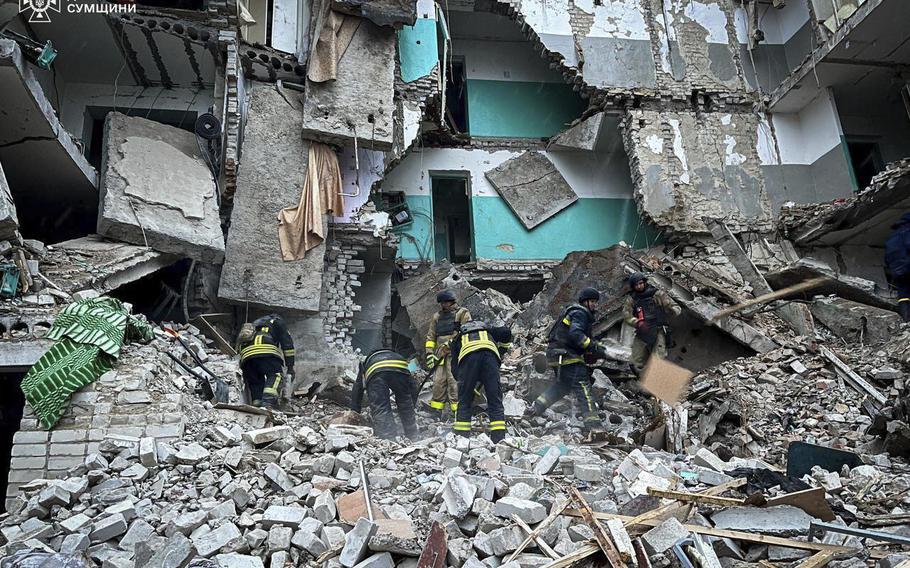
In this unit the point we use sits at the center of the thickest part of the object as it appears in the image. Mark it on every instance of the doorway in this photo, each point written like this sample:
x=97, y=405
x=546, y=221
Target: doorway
x=452, y=230
x=457, y=97
x=866, y=161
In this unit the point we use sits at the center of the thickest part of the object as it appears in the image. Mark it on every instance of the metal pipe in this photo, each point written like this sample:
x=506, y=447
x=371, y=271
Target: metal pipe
x=366, y=490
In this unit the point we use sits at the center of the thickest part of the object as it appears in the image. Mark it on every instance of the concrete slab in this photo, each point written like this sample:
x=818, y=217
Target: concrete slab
x=156, y=189
x=582, y=136
x=103, y=265
x=360, y=101
x=271, y=178
x=39, y=156
x=393, y=13
x=9, y=221
x=533, y=188
x=856, y=322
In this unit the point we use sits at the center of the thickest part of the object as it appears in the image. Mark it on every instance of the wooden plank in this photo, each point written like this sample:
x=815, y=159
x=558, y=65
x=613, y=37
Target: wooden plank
x=554, y=514
x=600, y=534
x=673, y=507
x=582, y=553
x=434, y=551
x=765, y=298
x=812, y=501
x=696, y=498
x=816, y=560
x=543, y=546
x=736, y=535
x=851, y=377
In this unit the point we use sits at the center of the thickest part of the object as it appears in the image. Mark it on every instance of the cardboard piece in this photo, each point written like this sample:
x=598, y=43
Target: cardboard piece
x=666, y=381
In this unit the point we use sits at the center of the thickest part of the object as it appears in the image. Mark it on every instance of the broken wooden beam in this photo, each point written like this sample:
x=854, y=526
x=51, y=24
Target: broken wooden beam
x=812, y=501
x=582, y=553
x=857, y=382
x=675, y=506
x=696, y=498
x=817, y=560
x=600, y=534
x=735, y=535
x=533, y=535
x=765, y=298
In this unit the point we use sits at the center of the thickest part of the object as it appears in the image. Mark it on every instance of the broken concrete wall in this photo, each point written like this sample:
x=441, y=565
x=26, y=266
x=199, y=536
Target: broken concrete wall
x=359, y=102
x=689, y=165
x=9, y=221
x=532, y=187
x=157, y=190
x=695, y=45
x=420, y=76
x=271, y=177
x=603, y=215
x=855, y=322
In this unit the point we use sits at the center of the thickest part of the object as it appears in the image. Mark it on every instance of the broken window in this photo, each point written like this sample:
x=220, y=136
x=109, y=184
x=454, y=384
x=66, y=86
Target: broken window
x=457, y=97
x=452, y=233
x=866, y=160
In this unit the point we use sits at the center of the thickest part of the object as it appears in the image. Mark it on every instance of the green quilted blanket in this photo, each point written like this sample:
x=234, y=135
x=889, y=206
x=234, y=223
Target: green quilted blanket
x=89, y=334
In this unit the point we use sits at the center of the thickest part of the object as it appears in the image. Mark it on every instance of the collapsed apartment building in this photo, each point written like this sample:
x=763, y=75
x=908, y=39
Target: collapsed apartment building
x=513, y=151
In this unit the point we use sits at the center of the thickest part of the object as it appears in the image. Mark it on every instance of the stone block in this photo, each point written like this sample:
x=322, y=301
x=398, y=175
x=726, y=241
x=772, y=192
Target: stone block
x=239, y=561
x=139, y=531
x=528, y=511
x=458, y=495
x=662, y=537
x=191, y=454
x=279, y=538
x=75, y=523
x=548, y=461
x=148, y=452
x=276, y=474
x=356, y=543
x=324, y=507
x=273, y=173
x=266, y=435
x=54, y=495
x=108, y=528
x=381, y=560
x=780, y=520
x=452, y=458
x=186, y=523
x=283, y=515
x=155, y=188
x=308, y=540
x=706, y=458
x=75, y=543
x=588, y=472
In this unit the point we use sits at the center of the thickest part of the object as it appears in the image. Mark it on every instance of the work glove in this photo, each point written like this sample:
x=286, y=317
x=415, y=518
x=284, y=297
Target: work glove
x=600, y=351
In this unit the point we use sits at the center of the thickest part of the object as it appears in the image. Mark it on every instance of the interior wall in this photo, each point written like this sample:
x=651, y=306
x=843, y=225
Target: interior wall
x=872, y=110
x=511, y=91
x=813, y=165
x=788, y=40
x=604, y=214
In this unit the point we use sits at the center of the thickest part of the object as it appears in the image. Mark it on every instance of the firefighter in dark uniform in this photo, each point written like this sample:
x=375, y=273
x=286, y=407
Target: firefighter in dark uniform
x=382, y=374
x=264, y=350
x=570, y=343
x=648, y=310
x=477, y=352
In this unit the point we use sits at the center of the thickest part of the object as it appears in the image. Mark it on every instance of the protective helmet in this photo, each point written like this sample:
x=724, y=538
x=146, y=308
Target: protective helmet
x=445, y=296
x=637, y=277
x=588, y=294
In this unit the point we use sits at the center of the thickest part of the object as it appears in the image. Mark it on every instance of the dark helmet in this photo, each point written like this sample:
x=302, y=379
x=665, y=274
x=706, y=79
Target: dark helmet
x=637, y=277
x=588, y=294
x=445, y=296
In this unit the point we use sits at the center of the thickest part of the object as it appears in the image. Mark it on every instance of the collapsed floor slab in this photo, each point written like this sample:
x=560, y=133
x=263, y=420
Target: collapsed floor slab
x=9, y=221
x=532, y=187
x=157, y=190
x=271, y=178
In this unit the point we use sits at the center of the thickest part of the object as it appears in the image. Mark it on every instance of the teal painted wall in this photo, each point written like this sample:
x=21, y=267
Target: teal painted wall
x=517, y=109
x=588, y=224
x=417, y=49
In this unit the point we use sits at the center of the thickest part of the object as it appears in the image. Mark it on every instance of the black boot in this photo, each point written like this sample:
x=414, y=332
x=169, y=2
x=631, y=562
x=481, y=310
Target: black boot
x=903, y=308
x=497, y=436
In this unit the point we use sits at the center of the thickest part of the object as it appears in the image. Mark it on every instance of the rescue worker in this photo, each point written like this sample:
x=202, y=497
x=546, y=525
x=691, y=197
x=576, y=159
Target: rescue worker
x=265, y=346
x=476, y=354
x=569, y=348
x=648, y=310
x=897, y=261
x=443, y=327
x=382, y=374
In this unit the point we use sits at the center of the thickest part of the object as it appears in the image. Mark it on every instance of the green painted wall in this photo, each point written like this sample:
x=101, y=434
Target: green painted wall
x=417, y=49
x=517, y=109
x=588, y=224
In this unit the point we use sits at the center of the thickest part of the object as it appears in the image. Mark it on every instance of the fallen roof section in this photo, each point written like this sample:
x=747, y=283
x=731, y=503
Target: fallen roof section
x=157, y=190
x=533, y=188
x=582, y=136
x=38, y=154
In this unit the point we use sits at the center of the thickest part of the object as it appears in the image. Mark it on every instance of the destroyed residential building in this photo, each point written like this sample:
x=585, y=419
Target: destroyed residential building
x=339, y=162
